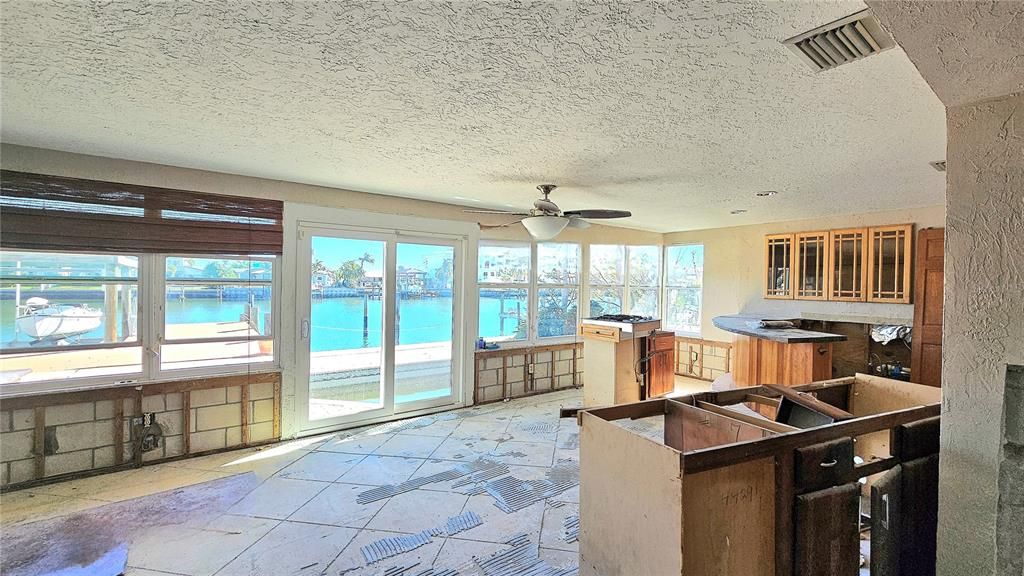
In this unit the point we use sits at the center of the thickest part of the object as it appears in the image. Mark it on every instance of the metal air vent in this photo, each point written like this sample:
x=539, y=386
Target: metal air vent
x=939, y=165
x=840, y=42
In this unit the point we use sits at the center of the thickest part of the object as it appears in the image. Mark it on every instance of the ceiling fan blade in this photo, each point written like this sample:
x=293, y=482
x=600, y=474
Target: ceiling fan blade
x=492, y=226
x=599, y=213
x=578, y=223
x=502, y=212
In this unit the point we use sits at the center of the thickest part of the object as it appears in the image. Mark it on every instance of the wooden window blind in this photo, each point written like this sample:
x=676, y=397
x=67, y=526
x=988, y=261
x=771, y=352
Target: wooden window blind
x=43, y=212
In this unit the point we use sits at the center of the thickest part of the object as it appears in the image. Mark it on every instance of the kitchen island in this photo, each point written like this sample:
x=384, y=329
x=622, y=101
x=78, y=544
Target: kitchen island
x=787, y=356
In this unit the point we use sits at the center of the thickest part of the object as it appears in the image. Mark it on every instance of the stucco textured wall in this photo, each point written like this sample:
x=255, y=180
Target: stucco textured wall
x=967, y=50
x=983, y=328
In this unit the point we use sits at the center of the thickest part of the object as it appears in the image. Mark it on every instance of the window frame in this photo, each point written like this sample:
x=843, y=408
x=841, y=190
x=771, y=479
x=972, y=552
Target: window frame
x=151, y=289
x=622, y=288
x=528, y=285
x=538, y=285
x=533, y=287
x=158, y=337
x=666, y=287
x=627, y=285
x=655, y=287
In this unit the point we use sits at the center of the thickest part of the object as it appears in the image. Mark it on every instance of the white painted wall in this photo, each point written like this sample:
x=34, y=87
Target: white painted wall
x=734, y=259
x=983, y=327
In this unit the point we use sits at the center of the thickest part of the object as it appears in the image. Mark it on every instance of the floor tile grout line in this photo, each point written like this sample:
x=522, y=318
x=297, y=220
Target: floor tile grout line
x=279, y=521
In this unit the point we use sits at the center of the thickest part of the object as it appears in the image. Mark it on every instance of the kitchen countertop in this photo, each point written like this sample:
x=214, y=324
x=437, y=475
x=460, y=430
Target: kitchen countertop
x=742, y=325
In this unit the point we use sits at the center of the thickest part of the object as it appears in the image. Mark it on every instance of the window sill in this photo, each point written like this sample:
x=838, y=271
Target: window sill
x=49, y=388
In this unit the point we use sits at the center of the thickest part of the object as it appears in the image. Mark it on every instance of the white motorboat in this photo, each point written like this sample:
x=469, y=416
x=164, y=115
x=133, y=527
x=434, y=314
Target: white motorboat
x=40, y=320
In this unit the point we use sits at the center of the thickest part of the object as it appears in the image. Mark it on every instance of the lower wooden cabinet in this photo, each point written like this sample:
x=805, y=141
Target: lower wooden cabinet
x=827, y=529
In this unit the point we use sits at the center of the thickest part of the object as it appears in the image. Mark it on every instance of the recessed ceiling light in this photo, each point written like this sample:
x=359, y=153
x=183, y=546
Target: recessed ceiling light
x=466, y=199
x=767, y=193
x=738, y=211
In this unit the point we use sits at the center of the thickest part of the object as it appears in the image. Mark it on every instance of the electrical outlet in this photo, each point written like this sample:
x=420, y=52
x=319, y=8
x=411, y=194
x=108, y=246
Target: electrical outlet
x=529, y=368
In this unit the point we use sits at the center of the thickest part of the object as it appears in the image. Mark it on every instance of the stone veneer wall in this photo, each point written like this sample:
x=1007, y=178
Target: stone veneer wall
x=54, y=435
x=506, y=373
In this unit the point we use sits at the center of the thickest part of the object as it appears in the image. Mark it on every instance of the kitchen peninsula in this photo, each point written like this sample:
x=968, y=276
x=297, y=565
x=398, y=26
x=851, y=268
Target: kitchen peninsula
x=787, y=356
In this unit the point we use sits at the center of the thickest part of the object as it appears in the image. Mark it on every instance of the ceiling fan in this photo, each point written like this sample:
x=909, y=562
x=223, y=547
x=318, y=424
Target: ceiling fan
x=545, y=220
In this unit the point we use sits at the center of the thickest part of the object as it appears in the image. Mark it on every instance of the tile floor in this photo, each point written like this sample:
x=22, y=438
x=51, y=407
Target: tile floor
x=304, y=517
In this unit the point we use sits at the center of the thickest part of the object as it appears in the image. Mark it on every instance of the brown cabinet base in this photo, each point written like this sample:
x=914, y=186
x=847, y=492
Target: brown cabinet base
x=757, y=362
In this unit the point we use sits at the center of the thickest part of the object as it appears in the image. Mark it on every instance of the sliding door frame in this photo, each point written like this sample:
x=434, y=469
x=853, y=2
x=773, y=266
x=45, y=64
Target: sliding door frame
x=464, y=236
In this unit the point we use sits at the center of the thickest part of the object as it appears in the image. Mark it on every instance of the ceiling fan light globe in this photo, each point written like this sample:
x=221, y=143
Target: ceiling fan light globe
x=545, y=227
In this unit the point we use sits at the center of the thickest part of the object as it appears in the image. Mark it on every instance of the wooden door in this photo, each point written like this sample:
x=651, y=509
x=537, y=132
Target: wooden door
x=848, y=274
x=810, y=270
x=778, y=266
x=926, y=346
x=889, y=263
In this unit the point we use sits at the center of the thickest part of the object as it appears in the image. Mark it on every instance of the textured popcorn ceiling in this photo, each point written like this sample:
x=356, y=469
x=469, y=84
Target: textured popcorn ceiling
x=678, y=111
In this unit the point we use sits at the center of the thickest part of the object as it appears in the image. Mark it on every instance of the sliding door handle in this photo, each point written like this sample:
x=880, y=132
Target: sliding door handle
x=304, y=328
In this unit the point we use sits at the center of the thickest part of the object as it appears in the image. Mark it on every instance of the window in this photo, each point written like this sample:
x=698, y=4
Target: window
x=66, y=315
x=684, y=272
x=607, y=279
x=504, y=279
x=71, y=316
x=520, y=281
x=217, y=311
x=644, y=273
x=613, y=269
x=140, y=283
x=558, y=282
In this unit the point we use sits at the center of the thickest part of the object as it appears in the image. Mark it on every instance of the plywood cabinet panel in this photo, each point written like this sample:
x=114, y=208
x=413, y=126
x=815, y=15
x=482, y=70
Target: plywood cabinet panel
x=778, y=257
x=889, y=263
x=811, y=266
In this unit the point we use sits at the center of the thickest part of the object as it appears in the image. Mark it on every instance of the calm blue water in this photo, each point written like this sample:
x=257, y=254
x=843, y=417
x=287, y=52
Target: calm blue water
x=337, y=323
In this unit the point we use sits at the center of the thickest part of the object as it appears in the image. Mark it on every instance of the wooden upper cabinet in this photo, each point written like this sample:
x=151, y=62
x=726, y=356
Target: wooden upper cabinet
x=810, y=269
x=848, y=270
x=778, y=270
x=889, y=263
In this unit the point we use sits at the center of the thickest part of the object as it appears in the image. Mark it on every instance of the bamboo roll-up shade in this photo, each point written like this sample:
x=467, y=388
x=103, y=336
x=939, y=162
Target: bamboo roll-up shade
x=43, y=212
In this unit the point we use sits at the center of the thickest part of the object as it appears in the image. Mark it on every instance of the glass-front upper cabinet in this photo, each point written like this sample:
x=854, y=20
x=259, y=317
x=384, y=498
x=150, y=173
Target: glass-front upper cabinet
x=847, y=269
x=889, y=263
x=778, y=254
x=811, y=267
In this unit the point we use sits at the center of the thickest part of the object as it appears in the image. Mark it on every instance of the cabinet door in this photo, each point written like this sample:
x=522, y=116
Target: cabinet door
x=889, y=263
x=778, y=259
x=811, y=267
x=826, y=532
x=848, y=277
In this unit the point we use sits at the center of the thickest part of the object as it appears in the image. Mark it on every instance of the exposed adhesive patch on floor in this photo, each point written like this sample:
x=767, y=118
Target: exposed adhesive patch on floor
x=458, y=471
x=520, y=560
x=399, y=570
x=538, y=427
x=477, y=477
x=571, y=529
x=393, y=546
x=512, y=494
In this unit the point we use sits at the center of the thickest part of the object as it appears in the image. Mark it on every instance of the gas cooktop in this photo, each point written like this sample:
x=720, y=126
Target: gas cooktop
x=626, y=318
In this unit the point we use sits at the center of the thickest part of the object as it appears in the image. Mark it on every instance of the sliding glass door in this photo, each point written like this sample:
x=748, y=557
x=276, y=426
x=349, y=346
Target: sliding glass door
x=380, y=326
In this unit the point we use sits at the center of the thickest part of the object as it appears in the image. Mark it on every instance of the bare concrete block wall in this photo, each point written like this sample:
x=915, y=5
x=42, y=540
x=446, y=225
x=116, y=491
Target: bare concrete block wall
x=519, y=372
x=60, y=434
x=17, y=439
